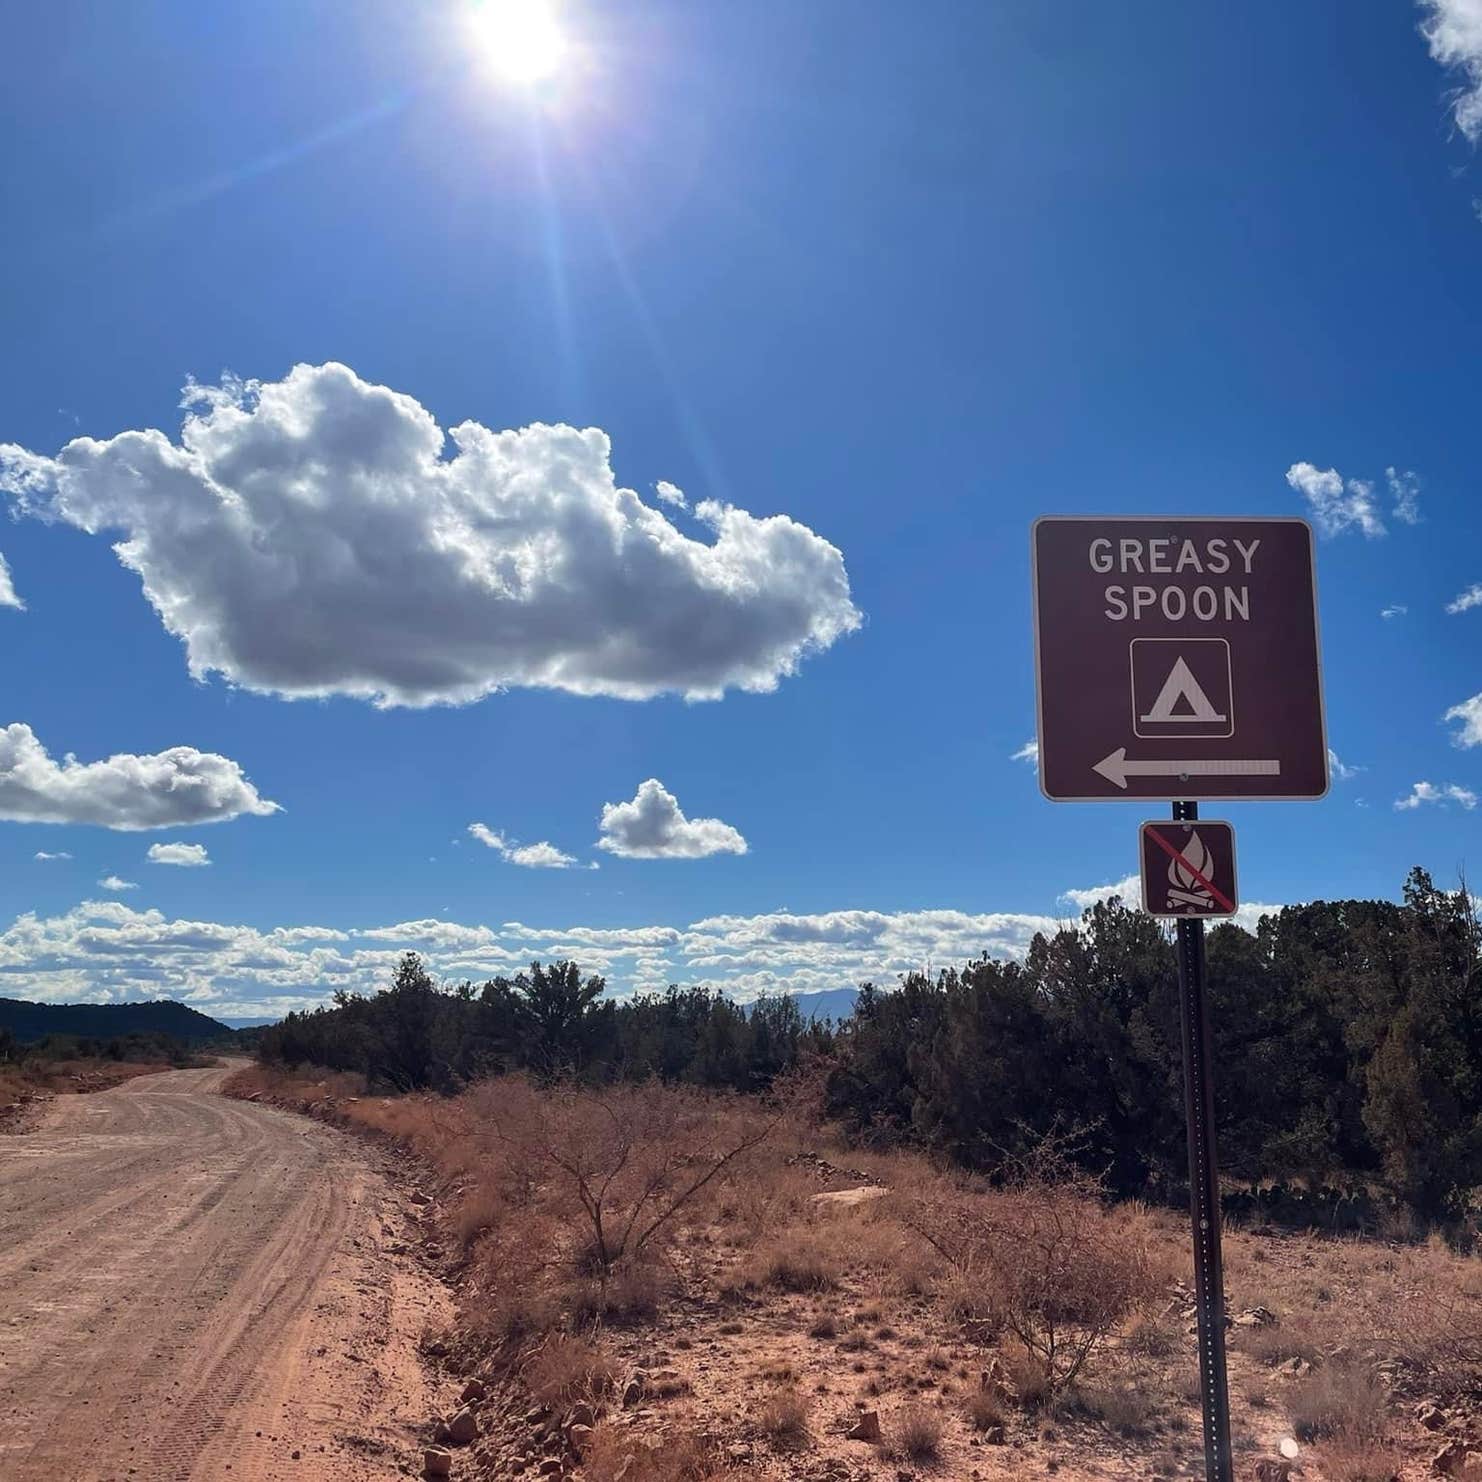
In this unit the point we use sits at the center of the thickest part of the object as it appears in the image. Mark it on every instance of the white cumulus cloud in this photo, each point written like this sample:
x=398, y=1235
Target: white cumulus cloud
x=60, y=854
x=1335, y=505
x=162, y=790
x=189, y=856
x=1453, y=31
x=671, y=494
x=1465, y=601
x=1428, y=792
x=541, y=856
x=653, y=826
x=310, y=537
x=1129, y=888
x=104, y=950
x=1404, y=490
x=112, y=882
x=1469, y=715
x=8, y=596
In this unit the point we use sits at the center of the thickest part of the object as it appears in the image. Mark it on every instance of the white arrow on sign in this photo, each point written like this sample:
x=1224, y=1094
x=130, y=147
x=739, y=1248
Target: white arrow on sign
x=1116, y=768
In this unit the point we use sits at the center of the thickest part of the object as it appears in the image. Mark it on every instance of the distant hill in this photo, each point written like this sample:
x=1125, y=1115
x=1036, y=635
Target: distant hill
x=30, y=1021
x=247, y=1023
x=832, y=1003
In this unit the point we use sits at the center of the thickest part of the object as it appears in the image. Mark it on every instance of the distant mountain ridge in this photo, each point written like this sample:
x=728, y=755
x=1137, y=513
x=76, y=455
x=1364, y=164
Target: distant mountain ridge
x=30, y=1021
x=830, y=1003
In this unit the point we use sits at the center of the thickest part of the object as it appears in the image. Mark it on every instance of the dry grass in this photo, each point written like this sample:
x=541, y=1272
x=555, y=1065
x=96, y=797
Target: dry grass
x=1028, y=1375
x=797, y=1260
x=1338, y=1403
x=1123, y=1409
x=914, y=1433
x=565, y=1370
x=1359, y=1461
x=19, y=1083
x=615, y=1455
x=984, y=1410
x=1297, y=1338
x=783, y=1418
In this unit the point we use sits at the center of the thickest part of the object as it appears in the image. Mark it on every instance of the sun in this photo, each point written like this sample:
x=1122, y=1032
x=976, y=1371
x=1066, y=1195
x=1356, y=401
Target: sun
x=521, y=38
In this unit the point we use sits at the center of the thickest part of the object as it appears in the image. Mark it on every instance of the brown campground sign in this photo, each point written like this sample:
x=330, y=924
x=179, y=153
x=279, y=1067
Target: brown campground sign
x=1177, y=658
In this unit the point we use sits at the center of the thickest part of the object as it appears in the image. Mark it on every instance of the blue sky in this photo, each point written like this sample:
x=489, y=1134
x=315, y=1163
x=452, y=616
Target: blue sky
x=873, y=285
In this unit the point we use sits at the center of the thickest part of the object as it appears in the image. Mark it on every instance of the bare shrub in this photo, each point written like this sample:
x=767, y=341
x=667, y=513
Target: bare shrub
x=824, y=1327
x=1148, y=1338
x=624, y=1161
x=1338, y=1403
x=562, y=1370
x=783, y=1417
x=1050, y=1264
x=915, y=1433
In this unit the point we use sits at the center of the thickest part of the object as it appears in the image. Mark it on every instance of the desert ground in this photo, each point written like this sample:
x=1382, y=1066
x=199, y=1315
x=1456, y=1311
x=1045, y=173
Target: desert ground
x=295, y=1280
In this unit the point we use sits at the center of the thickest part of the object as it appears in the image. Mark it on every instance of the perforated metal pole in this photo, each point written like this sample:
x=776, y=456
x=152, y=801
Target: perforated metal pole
x=1204, y=1191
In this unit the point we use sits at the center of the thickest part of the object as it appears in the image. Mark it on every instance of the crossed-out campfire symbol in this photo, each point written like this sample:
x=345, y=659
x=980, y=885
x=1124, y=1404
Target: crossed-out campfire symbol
x=1185, y=887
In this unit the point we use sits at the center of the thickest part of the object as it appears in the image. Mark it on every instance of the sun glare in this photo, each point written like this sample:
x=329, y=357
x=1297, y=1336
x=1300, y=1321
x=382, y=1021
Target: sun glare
x=521, y=38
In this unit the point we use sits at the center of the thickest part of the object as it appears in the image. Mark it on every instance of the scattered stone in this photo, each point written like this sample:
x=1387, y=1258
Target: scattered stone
x=1450, y=1460
x=437, y=1461
x=632, y=1393
x=582, y=1414
x=1289, y=1448
x=1255, y=1317
x=580, y=1437
x=463, y=1427
x=1431, y=1417
x=1297, y=1366
x=995, y=1436
x=1268, y=1470
x=551, y=1467
x=866, y=1428
x=418, y=1197
x=473, y=1390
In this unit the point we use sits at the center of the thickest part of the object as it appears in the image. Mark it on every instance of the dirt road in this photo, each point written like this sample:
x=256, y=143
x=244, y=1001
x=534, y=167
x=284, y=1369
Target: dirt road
x=198, y=1288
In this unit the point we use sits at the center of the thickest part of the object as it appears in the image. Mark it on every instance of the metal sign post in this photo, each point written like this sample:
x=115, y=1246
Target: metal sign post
x=1204, y=1190
x=1178, y=656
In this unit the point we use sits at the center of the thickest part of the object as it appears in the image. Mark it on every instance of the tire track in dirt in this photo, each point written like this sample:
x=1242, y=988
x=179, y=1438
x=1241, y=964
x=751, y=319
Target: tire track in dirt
x=196, y=1289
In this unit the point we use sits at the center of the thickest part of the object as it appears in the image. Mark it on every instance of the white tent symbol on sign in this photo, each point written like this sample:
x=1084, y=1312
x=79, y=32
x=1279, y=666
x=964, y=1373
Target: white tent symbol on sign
x=1182, y=700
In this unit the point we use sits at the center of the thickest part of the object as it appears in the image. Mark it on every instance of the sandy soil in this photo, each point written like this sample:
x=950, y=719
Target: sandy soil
x=199, y=1288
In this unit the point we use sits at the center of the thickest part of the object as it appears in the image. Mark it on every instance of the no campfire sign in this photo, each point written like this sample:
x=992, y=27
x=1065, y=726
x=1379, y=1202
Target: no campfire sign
x=1188, y=869
x=1177, y=658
